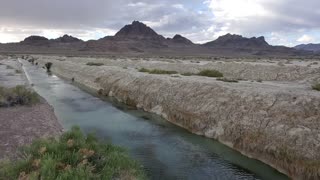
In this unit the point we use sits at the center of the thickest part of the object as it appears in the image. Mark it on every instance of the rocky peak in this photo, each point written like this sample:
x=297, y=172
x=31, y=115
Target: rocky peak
x=35, y=39
x=237, y=41
x=67, y=39
x=180, y=39
x=229, y=37
x=138, y=30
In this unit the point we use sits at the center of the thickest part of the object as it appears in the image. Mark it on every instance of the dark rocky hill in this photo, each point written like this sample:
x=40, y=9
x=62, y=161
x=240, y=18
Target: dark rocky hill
x=308, y=47
x=35, y=38
x=181, y=40
x=138, y=30
x=35, y=41
x=67, y=39
x=237, y=41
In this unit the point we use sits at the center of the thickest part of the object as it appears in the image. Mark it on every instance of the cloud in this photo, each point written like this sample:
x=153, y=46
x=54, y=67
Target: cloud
x=51, y=18
x=264, y=17
x=198, y=20
x=305, y=39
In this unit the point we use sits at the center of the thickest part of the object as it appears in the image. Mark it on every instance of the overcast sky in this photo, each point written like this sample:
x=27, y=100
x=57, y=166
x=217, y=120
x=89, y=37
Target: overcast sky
x=282, y=22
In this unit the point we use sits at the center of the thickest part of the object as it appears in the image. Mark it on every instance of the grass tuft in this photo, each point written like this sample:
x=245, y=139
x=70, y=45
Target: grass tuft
x=259, y=80
x=227, y=80
x=18, y=71
x=144, y=70
x=48, y=66
x=94, y=64
x=19, y=95
x=157, y=71
x=316, y=87
x=187, y=74
x=72, y=156
x=210, y=73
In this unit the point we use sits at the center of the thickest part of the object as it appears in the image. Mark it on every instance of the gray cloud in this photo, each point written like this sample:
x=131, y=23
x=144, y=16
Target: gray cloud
x=195, y=19
x=266, y=16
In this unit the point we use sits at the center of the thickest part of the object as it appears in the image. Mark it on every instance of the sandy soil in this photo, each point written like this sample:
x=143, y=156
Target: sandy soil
x=21, y=125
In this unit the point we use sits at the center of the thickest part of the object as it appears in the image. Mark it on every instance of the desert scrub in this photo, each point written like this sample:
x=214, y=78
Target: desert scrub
x=316, y=87
x=227, y=80
x=157, y=71
x=9, y=67
x=72, y=156
x=18, y=71
x=144, y=70
x=187, y=74
x=210, y=73
x=19, y=95
x=94, y=64
x=31, y=61
x=48, y=66
x=259, y=80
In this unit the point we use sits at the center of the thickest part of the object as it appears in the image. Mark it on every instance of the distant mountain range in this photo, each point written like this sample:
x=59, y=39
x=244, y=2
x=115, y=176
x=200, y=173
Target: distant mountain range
x=234, y=41
x=309, y=47
x=38, y=40
x=138, y=38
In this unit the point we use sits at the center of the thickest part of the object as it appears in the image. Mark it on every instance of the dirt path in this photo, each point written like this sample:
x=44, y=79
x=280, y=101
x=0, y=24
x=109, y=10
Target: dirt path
x=20, y=125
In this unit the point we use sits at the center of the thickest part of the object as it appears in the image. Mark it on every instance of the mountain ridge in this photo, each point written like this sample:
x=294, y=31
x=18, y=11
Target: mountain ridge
x=234, y=40
x=309, y=47
x=67, y=39
x=139, y=38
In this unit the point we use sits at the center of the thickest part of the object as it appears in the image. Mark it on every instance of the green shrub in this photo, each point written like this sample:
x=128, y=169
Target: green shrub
x=18, y=71
x=48, y=66
x=144, y=70
x=72, y=156
x=316, y=87
x=259, y=80
x=227, y=80
x=31, y=60
x=210, y=73
x=19, y=95
x=157, y=71
x=187, y=74
x=94, y=64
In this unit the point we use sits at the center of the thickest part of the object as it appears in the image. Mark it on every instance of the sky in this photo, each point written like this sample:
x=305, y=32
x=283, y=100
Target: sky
x=282, y=22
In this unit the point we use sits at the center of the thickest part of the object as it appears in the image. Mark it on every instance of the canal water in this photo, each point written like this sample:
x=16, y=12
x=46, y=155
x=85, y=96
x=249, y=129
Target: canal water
x=165, y=150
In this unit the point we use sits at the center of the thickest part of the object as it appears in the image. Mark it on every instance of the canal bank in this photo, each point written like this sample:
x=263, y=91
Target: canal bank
x=165, y=150
x=276, y=123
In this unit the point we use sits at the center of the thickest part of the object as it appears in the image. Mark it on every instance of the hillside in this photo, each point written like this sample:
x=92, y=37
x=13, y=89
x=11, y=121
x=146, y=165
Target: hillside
x=308, y=47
